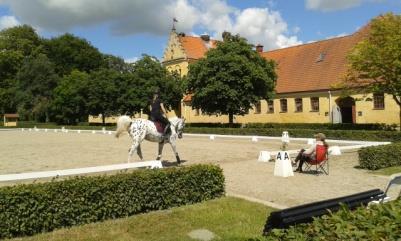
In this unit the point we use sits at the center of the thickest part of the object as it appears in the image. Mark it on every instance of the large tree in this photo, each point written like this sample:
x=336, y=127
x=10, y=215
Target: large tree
x=103, y=92
x=70, y=97
x=231, y=78
x=69, y=52
x=375, y=63
x=36, y=81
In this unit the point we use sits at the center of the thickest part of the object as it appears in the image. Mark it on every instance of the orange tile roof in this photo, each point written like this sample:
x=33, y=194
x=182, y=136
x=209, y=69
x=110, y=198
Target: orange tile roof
x=299, y=68
x=195, y=47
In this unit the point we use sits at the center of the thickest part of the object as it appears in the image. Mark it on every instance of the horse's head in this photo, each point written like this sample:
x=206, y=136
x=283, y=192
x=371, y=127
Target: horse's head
x=180, y=127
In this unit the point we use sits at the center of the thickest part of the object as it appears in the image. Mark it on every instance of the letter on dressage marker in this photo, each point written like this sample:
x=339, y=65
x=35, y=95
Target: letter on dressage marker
x=282, y=166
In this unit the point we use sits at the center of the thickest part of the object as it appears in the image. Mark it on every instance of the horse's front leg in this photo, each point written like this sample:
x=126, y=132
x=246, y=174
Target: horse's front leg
x=159, y=154
x=177, y=157
x=139, y=151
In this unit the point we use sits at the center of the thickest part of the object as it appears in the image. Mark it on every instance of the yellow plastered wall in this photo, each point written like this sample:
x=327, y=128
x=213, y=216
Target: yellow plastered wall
x=388, y=115
x=365, y=113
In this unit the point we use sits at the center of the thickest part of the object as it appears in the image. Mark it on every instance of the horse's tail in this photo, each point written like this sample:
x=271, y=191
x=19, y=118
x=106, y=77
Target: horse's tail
x=123, y=124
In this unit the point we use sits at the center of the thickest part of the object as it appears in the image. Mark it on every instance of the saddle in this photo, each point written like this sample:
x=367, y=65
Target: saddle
x=159, y=126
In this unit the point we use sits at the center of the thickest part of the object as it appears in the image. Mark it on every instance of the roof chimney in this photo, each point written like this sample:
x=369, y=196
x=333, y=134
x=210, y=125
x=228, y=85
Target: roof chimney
x=182, y=34
x=259, y=48
x=205, y=37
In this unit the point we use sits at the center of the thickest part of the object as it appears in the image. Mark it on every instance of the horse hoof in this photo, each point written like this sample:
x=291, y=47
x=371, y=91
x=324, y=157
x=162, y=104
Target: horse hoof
x=158, y=158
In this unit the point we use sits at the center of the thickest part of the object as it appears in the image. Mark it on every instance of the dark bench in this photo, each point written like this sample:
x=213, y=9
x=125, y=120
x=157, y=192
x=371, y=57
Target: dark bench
x=305, y=213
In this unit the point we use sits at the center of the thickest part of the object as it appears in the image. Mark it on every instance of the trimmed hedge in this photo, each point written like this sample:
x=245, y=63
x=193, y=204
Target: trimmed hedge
x=378, y=222
x=321, y=126
x=326, y=126
x=35, y=208
x=51, y=125
x=377, y=157
x=331, y=134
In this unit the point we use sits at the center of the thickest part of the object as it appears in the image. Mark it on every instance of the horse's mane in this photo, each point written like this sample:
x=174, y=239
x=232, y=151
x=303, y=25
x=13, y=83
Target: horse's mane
x=174, y=120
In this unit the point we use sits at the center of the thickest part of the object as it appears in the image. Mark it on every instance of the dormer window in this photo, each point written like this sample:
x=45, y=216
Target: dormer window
x=321, y=57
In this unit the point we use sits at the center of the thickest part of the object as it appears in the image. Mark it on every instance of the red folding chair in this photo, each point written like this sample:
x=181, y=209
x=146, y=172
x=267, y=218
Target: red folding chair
x=321, y=161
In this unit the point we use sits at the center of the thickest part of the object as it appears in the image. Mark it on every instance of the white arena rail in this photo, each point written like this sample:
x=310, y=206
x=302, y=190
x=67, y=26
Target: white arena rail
x=77, y=171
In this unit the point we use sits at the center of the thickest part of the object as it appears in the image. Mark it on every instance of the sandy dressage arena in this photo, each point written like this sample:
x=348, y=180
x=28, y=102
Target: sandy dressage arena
x=39, y=151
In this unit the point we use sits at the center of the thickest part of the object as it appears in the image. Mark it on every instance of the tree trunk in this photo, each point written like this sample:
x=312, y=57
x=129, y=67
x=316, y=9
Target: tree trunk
x=230, y=120
x=103, y=118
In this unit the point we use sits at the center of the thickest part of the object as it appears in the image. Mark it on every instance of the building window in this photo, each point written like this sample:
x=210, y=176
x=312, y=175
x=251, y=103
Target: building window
x=258, y=107
x=378, y=101
x=314, y=102
x=270, y=106
x=298, y=105
x=283, y=105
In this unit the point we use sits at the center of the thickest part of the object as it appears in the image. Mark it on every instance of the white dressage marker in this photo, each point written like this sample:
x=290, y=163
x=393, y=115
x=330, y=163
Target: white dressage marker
x=282, y=166
x=77, y=171
x=285, y=137
x=264, y=156
x=93, y=132
x=79, y=131
x=109, y=132
x=211, y=137
x=254, y=139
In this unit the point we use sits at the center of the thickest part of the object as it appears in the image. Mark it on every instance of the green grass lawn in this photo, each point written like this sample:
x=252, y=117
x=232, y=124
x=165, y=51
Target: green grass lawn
x=228, y=218
x=388, y=171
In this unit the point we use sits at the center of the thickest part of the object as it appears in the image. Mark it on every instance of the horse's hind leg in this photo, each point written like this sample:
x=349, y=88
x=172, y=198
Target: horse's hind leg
x=159, y=154
x=134, y=148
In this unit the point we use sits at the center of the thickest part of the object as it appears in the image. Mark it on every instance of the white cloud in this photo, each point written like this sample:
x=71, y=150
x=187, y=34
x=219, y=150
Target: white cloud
x=331, y=5
x=8, y=22
x=123, y=17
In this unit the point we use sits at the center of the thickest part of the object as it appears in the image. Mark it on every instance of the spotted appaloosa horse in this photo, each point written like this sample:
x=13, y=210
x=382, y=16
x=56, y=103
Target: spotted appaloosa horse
x=140, y=129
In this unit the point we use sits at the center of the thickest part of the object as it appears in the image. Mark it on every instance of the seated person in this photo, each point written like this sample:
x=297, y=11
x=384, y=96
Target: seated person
x=310, y=153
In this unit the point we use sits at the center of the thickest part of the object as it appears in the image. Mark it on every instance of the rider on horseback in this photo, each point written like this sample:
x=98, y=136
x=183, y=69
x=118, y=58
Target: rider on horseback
x=158, y=112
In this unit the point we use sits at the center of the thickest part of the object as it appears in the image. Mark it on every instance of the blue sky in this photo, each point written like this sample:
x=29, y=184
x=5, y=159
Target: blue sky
x=129, y=28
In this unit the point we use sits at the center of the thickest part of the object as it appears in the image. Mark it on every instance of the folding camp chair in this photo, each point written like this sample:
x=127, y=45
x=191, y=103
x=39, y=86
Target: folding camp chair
x=321, y=161
x=396, y=180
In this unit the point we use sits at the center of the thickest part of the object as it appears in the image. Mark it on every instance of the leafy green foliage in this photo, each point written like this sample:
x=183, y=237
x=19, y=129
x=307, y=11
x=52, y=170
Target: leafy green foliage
x=377, y=157
x=35, y=208
x=378, y=222
x=22, y=39
x=103, y=92
x=69, y=52
x=37, y=80
x=378, y=58
x=230, y=79
x=137, y=87
x=70, y=98
x=320, y=126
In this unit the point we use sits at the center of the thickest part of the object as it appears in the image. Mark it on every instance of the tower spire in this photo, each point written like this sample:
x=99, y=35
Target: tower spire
x=174, y=21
